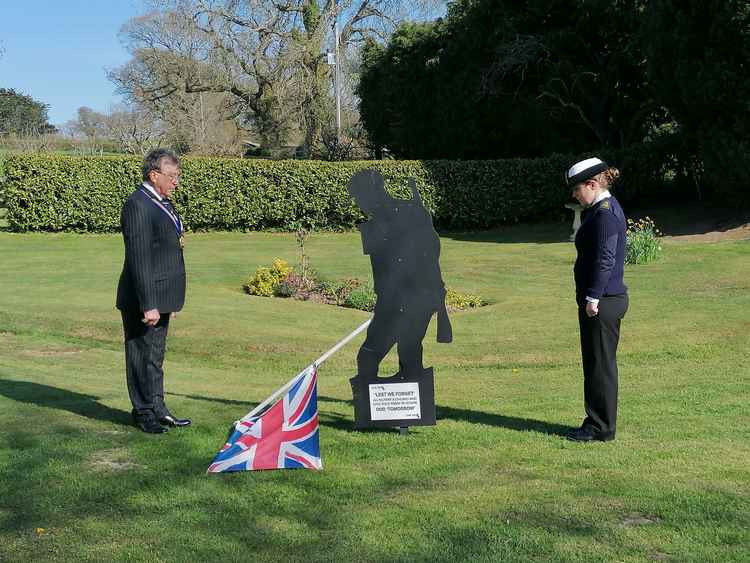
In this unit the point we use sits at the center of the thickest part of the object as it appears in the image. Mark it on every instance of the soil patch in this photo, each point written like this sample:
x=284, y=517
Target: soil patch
x=112, y=460
x=632, y=520
x=736, y=233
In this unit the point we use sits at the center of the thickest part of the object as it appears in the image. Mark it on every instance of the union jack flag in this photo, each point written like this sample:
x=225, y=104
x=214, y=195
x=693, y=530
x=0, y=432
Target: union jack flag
x=284, y=437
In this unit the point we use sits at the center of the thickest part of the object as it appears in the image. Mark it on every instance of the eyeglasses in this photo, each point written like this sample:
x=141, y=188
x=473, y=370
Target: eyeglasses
x=175, y=178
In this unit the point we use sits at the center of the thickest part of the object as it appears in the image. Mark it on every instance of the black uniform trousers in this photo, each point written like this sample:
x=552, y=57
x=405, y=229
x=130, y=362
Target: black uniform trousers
x=599, y=338
x=144, y=356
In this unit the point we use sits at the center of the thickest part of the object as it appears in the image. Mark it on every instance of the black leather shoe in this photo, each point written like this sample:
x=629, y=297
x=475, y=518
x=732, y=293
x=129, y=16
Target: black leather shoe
x=149, y=425
x=587, y=435
x=169, y=420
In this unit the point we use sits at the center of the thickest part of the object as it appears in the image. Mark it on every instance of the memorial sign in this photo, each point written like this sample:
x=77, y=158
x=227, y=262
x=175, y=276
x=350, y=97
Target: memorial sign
x=394, y=401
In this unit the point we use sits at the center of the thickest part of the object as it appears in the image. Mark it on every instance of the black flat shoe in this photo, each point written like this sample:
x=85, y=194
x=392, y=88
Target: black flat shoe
x=147, y=423
x=150, y=426
x=169, y=420
x=586, y=435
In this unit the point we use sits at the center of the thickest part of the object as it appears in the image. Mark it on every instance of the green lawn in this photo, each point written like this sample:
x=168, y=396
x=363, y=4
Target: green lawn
x=493, y=481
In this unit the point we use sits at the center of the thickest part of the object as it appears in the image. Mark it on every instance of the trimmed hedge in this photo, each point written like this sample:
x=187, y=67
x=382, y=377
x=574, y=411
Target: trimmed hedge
x=56, y=193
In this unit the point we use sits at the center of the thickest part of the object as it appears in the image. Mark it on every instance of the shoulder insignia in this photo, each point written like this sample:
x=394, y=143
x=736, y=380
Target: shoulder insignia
x=605, y=204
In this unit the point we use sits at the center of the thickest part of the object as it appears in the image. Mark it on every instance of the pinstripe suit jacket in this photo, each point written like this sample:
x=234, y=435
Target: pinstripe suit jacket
x=153, y=276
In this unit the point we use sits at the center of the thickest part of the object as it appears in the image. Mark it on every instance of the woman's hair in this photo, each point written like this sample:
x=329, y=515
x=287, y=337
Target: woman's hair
x=608, y=177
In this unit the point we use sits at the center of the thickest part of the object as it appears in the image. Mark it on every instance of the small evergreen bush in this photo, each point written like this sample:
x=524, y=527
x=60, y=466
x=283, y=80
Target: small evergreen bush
x=338, y=291
x=362, y=298
x=265, y=281
x=281, y=280
x=460, y=301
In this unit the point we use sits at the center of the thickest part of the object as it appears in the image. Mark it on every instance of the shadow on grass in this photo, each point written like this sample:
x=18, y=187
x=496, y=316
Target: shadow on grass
x=329, y=419
x=87, y=405
x=57, y=398
x=535, y=233
x=473, y=417
x=509, y=422
x=341, y=422
x=692, y=218
x=248, y=404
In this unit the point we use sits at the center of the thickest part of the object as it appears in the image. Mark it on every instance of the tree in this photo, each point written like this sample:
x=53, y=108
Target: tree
x=206, y=122
x=267, y=57
x=22, y=115
x=135, y=129
x=90, y=124
x=498, y=78
x=701, y=72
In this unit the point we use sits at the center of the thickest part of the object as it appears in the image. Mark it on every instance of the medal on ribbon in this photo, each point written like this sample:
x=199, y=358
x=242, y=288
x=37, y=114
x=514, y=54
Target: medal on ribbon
x=169, y=210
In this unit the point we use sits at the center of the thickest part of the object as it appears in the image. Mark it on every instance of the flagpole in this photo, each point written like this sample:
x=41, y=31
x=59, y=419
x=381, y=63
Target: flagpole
x=289, y=384
x=342, y=343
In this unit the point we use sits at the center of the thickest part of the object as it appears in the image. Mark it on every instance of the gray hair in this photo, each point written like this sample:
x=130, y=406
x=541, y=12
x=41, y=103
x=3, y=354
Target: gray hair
x=155, y=159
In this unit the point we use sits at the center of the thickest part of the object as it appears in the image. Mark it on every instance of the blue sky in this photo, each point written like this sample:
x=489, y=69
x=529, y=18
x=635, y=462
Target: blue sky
x=58, y=51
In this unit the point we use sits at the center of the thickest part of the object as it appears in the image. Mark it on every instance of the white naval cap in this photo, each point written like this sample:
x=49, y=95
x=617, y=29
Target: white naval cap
x=584, y=170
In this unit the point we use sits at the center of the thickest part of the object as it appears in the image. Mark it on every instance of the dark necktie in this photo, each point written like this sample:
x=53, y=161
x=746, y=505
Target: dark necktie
x=169, y=207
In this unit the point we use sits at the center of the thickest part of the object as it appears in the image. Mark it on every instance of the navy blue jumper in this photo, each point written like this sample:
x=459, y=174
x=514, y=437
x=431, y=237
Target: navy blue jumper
x=600, y=242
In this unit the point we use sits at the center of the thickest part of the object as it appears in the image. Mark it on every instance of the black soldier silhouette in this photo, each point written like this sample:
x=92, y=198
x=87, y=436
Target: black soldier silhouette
x=404, y=250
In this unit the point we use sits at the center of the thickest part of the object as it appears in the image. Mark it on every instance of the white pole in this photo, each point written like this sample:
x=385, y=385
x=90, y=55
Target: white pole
x=342, y=342
x=289, y=384
x=337, y=76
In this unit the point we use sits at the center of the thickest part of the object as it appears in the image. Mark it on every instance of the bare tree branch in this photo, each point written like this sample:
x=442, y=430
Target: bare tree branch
x=266, y=58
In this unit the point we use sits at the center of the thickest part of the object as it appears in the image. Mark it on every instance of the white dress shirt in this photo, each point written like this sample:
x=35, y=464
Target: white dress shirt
x=151, y=188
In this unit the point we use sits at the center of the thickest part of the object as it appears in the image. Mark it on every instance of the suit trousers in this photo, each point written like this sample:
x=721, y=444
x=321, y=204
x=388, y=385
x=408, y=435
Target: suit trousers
x=599, y=338
x=144, y=356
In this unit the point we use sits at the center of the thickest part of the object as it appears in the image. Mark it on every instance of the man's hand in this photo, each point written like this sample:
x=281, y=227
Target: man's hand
x=151, y=317
x=592, y=309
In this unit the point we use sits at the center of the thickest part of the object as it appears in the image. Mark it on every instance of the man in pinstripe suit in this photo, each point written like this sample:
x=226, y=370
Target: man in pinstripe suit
x=151, y=288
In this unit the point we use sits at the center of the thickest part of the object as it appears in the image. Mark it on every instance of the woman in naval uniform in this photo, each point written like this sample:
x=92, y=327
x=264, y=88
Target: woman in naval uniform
x=601, y=293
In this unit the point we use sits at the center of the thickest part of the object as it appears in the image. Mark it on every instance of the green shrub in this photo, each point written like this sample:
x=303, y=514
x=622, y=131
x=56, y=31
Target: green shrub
x=2, y=182
x=280, y=280
x=338, y=291
x=57, y=192
x=284, y=289
x=262, y=283
x=295, y=285
x=265, y=281
x=642, y=242
x=460, y=301
x=362, y=298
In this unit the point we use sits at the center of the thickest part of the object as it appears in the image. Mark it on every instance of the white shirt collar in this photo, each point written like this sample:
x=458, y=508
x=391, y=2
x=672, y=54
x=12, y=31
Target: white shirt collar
x=151, y=188
x=604, y=195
